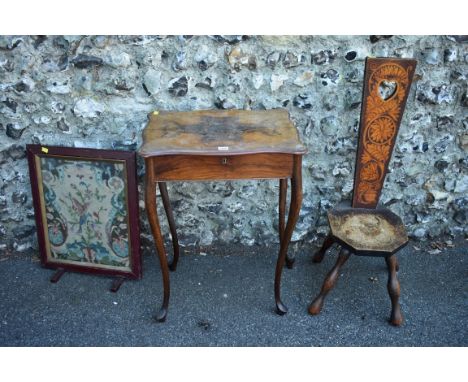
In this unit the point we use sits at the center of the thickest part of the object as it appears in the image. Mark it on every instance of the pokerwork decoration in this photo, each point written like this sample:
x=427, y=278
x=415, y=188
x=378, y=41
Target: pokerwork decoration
x=86, y=209
x=385, y=97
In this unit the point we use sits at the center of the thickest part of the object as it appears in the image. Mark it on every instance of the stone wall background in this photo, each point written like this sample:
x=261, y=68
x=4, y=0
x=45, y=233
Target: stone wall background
x=95, y=91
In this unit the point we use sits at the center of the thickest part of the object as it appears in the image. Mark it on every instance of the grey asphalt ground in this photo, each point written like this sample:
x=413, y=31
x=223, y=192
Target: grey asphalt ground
x=225, y=298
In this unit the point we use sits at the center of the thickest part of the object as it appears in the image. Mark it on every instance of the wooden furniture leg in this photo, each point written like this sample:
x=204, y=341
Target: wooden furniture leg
x=295, y=206
x=393, y=287
x=170, y=219
x=283, y=189
x=150, y=197
x=57, y=275
x=328, y=242
x=282, y=209
x=116, y=284
x=330, y=282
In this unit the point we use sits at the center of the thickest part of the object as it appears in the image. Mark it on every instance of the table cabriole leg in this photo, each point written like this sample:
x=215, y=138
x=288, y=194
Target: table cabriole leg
x=283, y=188
x=282, y=210
x=295, y=206
x=170, y=219
x=150, y=198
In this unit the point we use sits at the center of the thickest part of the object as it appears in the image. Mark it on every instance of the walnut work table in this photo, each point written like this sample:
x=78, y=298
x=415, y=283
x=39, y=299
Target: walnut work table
x=221, y=145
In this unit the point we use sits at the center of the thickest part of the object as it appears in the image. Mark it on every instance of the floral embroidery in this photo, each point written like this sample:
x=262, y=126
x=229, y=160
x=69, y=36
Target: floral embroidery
x=85, y=211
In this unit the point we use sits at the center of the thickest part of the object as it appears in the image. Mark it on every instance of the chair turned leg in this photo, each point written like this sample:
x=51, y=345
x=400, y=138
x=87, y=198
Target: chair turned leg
x=328, y=242
x=393, y=287
x=330, y=282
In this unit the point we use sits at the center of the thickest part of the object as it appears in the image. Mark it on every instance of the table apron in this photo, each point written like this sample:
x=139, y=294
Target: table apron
x=221, y=167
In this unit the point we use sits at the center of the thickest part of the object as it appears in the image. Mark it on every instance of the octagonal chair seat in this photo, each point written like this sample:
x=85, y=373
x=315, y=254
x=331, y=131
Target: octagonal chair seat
x=368, y=231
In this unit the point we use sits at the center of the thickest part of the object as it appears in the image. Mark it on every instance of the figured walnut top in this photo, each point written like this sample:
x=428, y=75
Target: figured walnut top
x=220, y=132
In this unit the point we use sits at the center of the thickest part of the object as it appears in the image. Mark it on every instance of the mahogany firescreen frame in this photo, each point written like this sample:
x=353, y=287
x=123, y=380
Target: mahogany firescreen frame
x=86, y=209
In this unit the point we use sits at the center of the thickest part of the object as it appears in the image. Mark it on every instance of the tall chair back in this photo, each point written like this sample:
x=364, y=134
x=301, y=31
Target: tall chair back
x=386, y=86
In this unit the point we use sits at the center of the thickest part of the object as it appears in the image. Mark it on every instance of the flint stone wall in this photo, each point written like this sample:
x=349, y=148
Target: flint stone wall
x=96, y=91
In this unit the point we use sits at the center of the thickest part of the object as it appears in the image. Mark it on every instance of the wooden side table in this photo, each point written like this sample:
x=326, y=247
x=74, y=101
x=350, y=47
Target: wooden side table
x=221, y=145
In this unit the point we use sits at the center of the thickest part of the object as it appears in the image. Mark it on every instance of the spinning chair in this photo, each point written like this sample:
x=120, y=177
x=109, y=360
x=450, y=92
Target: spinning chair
x=364, y=229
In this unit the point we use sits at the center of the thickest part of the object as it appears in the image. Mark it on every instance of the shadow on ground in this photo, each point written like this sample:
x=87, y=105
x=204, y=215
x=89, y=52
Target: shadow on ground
x=225, y=298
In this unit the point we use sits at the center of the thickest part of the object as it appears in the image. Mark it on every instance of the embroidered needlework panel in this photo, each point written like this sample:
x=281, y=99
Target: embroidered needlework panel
x=85, y=211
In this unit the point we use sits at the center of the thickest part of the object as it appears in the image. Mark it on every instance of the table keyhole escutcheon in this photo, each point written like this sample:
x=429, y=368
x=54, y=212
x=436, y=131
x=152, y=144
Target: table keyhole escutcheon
x=224, y=161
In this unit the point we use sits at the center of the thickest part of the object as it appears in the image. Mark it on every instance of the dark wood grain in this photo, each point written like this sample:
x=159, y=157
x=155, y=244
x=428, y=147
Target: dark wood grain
x=220, y=132
x=201, y=167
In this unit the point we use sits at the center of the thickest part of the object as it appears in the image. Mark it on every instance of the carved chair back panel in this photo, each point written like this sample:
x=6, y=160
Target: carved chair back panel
x=387, y=82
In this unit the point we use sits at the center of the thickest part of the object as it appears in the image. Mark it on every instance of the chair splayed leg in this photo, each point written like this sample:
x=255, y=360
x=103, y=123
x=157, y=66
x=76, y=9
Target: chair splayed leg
x=327, y=243
x=393, y=287
x=330, y=282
